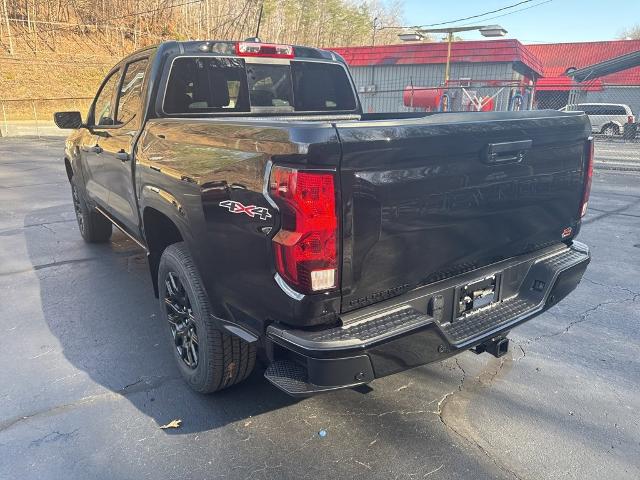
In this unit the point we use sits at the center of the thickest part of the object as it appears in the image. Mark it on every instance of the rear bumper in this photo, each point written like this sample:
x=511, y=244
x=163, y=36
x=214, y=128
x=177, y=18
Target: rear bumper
x=421, y=326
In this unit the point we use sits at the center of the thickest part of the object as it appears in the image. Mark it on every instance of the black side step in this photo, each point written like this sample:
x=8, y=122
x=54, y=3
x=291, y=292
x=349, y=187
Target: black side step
x=292, y=378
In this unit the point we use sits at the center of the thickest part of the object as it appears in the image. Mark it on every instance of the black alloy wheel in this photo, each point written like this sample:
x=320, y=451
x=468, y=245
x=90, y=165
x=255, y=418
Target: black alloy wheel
x=208, y=357
x=78, y=209
x=93, y=226
x=181, y=320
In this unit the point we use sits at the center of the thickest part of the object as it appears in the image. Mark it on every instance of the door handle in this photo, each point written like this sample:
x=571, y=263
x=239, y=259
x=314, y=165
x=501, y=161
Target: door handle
x=507, y=152
x=96, y=149
x=123, y=156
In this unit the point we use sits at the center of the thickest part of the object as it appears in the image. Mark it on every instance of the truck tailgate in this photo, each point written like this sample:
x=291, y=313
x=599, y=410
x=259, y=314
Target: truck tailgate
x=430, y=198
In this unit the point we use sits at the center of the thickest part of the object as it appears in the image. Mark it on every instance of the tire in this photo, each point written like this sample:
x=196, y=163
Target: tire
x=221, y=359
x=610, y=130
x=93, y=226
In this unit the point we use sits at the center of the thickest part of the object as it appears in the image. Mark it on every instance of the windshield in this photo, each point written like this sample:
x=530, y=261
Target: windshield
x=226, y=84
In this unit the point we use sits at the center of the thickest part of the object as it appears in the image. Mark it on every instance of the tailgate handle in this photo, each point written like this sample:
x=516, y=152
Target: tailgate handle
x=507, y=152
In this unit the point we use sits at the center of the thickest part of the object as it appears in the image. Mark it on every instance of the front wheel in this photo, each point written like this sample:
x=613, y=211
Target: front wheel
x=610, y=130
x=93, y=226
x=208, y=358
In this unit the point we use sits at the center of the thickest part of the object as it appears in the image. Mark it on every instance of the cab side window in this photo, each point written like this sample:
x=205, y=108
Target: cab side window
x=103, y=113
x=130, y=97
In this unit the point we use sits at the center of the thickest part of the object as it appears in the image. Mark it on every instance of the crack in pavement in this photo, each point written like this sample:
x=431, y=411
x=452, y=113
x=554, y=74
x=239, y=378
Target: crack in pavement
x=584, y=316
x=142, y=385
x=8, y=187
x=610, y=286
x=58, y=263
x=446, y=400
x=15, y=231
x=616, y=211
x=54, y=437
x=449, y=397
x=49, y=265
x=442, y=401
x=263, y=470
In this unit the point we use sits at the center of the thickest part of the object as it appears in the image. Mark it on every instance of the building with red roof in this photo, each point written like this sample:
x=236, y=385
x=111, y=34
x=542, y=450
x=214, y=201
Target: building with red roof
x=495, y=51
x=500, y=69
x=556, y=58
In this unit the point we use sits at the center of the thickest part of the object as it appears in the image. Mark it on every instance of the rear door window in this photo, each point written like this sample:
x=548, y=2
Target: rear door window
x=603, y=110
x=614, y=110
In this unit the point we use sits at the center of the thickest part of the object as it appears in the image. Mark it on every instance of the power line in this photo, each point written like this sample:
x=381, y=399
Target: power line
x=476, y=16
x=515, y=11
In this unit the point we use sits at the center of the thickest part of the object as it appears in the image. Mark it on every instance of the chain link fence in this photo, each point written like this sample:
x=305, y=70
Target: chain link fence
x=613, y=110
x=34, y=117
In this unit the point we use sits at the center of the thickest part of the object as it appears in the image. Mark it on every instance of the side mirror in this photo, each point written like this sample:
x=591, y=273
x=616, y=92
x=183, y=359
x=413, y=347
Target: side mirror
x=71, y=120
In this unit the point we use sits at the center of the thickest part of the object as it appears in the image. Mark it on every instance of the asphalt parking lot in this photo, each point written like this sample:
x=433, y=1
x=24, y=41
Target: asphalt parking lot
x=616, y=154
x=86, y=378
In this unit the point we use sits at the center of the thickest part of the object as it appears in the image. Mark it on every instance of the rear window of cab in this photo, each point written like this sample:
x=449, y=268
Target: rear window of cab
x=202, y=85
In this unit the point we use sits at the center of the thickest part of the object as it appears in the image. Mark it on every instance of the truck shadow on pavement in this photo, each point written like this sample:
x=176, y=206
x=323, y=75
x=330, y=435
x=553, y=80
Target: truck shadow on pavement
x=98, y=302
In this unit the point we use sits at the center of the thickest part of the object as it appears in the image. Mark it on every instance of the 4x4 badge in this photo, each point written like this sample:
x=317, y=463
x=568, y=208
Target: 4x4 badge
x=251, y=210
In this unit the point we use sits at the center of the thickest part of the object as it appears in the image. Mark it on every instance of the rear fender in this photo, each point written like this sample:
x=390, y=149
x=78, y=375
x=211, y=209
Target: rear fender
x=163, y=205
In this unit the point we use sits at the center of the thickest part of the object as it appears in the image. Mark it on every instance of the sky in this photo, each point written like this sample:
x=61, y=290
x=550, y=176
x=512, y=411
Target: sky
x=549, y=21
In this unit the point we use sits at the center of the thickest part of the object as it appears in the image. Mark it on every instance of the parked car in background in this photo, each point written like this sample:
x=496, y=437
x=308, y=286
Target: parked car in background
x=606, y=118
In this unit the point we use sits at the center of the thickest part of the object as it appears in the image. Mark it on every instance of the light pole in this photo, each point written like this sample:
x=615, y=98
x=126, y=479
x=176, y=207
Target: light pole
x=420, y=34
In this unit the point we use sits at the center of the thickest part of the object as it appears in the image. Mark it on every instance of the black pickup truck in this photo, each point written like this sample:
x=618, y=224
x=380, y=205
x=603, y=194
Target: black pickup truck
x=281, y=220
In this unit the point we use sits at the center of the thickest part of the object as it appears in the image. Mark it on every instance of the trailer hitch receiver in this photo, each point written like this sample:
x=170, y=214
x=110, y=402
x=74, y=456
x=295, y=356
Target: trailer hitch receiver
x=497, y=347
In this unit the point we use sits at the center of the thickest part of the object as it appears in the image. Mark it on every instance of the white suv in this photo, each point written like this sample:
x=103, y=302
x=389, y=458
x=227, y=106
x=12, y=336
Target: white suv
x=607, y=118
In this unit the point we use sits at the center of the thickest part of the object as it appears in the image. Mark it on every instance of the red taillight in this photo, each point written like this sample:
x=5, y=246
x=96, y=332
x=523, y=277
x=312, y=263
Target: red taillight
x=253, y=49
x=630, y=119
x=306, y=247
x=588, y=177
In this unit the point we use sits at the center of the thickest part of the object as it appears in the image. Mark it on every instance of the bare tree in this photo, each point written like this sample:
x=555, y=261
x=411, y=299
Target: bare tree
x=129, y=24
x=631, y=33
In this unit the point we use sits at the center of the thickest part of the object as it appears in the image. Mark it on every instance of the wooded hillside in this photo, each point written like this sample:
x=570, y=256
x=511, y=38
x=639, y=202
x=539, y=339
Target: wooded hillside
x=30, y=26
x=60, y=48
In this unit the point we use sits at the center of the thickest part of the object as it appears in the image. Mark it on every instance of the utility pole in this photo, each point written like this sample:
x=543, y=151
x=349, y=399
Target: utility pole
x=259, y=20
x=373, y=36
x=447, y=69
x=6, y=17
x=420, y=34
